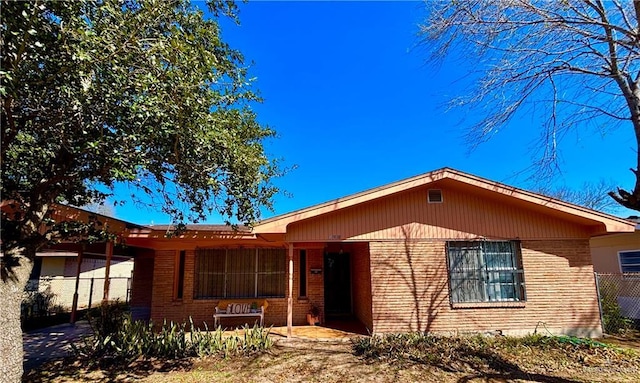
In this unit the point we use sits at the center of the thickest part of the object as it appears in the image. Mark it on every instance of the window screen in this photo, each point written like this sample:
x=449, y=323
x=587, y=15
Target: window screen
x=629, y=261
x=240, y=273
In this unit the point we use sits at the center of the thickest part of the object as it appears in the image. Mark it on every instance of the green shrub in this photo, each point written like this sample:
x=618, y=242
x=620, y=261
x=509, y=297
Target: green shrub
x=479, y=351
x=38, y=302
x=108, y=317
x=612, y=319
x=403, y=346
x=255, y=339
x=119, y=340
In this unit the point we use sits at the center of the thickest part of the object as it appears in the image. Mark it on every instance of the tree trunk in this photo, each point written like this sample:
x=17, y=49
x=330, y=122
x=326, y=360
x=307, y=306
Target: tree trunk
x=631, y=199
x=11, y=293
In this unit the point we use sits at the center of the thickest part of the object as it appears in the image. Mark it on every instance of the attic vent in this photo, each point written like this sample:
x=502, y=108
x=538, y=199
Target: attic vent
x=434, y=196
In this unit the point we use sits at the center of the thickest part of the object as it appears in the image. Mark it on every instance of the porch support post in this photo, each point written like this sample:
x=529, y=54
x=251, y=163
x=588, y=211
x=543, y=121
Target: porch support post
x=109, y=253
x=290, y=294
x=74, y=304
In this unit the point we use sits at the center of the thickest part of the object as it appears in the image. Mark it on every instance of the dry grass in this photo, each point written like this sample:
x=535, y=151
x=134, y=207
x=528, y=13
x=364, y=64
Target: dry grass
x=313, y=361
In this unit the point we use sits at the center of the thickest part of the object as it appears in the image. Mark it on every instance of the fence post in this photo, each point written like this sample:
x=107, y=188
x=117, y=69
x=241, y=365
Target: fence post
x=597, y=280
x=90, y=292
x=107, y=278
x=128, y=290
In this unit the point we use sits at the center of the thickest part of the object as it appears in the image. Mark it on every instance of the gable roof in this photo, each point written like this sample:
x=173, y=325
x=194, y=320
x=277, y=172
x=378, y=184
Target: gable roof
x=609, y=223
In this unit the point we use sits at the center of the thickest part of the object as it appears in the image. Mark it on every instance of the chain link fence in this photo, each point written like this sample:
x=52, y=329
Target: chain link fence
x=619, y=298
x=49, y=296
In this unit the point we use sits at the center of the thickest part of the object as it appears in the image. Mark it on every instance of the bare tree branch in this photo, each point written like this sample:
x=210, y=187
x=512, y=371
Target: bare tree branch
x=574, y=63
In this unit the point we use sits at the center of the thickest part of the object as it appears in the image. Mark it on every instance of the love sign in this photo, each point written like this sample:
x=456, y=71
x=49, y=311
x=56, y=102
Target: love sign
x=238, y=308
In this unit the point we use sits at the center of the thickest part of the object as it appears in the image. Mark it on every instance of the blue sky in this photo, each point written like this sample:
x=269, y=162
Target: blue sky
x=347, y=87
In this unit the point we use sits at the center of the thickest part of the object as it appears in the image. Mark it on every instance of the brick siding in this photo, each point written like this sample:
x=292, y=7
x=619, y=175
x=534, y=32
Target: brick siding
x=411, y=291
x=361, y=284
x=403, y=286
x=165, y=307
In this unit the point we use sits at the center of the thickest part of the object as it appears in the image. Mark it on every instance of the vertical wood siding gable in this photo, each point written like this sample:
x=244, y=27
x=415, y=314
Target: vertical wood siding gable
x=461, y=215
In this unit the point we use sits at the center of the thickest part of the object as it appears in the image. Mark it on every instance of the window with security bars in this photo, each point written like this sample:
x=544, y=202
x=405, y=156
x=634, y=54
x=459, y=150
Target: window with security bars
x=629, y=261
x=240, y=273
x=485, y=271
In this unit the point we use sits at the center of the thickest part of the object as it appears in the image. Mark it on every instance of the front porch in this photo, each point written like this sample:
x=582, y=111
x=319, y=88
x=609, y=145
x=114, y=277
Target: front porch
x=317, y=333
x=335, y=279
x=187, y=283
x=334, y=330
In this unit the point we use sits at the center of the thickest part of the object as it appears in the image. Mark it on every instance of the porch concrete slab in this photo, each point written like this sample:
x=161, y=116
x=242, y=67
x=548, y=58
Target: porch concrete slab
x=318, y=333
x=341, y=330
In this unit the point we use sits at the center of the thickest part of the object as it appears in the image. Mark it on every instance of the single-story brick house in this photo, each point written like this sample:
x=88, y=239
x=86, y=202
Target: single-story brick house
x=444, y=252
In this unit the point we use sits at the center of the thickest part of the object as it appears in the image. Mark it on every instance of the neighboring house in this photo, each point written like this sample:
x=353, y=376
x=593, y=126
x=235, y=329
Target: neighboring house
x=54, y=273
x=617, y=253
x=53, y=279
x=444, y=252
x=616, y=259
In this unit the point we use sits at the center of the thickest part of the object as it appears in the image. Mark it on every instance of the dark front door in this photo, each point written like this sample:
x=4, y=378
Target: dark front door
x=337, y=284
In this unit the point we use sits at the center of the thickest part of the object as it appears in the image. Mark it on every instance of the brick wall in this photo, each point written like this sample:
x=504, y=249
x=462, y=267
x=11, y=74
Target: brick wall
x=164, y=306
x=403, y=286
x=315, y=286
x=361, y=284
x=411, y=291
x=142, y=283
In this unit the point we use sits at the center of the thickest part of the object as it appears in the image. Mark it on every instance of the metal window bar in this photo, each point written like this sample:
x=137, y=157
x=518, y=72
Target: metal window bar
x=485, y=271
x=255, y=277
x=226, y=263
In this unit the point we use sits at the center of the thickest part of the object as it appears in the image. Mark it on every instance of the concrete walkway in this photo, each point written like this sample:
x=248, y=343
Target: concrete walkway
x=51, y=343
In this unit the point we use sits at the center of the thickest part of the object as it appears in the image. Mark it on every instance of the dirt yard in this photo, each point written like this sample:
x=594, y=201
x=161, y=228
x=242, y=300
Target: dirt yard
x=334, y=361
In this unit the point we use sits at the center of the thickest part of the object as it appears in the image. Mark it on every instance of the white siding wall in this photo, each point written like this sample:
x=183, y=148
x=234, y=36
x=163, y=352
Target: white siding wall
x=58, y=276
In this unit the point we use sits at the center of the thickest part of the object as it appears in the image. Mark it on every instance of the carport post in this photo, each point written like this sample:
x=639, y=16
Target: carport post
x=109, y=253
x=290, y=294
x=74, y=304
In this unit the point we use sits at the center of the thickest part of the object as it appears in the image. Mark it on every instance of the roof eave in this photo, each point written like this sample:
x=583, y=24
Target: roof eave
x=611, y=223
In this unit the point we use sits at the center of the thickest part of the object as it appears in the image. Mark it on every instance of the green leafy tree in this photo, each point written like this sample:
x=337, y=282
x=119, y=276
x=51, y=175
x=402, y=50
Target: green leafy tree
x=573, y=62
x=97, y=93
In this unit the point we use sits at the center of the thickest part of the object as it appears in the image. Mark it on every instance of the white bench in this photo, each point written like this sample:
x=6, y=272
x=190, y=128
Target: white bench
x=240, y=308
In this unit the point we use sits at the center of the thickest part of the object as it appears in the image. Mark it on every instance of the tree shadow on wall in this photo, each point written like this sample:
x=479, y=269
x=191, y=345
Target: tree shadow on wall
x=422, y=272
